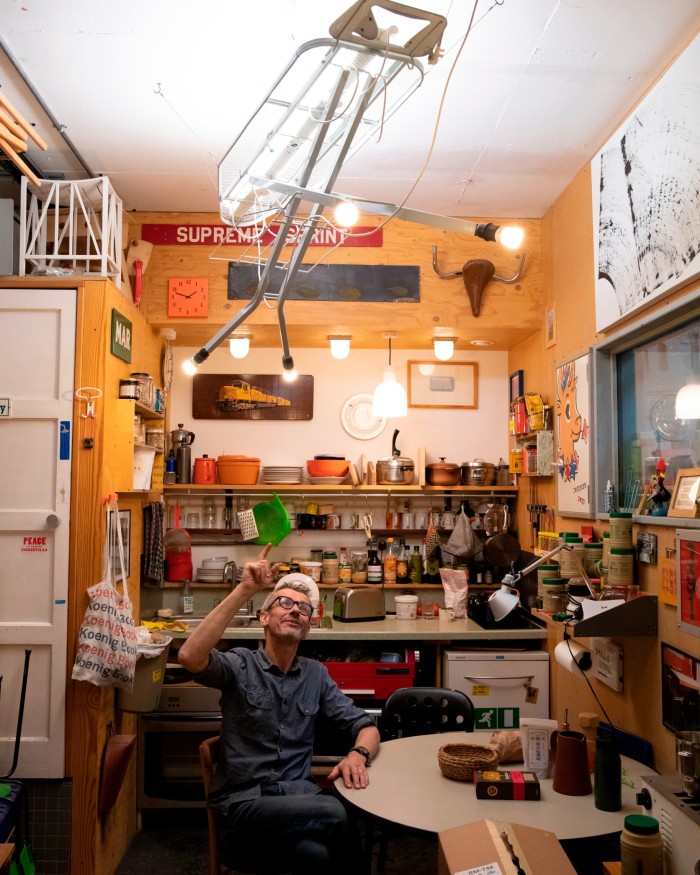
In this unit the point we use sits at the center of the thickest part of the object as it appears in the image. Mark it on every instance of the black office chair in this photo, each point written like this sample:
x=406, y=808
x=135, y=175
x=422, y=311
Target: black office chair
x=424, y=711
x=420, y=711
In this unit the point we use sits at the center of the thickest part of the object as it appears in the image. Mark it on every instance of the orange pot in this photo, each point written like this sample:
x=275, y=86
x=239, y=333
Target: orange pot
x=241, y=470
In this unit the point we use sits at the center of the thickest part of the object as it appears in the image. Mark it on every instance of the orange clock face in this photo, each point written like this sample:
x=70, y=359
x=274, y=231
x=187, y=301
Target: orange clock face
x=188, y=297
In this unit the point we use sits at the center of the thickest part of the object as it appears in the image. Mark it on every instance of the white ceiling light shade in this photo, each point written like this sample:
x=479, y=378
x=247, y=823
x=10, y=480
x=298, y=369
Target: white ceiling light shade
x=346, y=214
x=340, y=346
x=389, y=399
x=444, y=348
x=688, y=400
x=239, y=345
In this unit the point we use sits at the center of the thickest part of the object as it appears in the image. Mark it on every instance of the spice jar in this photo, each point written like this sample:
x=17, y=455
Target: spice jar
x=555, y=595
x=129, y=389
x=330, y=567
x=621, y=530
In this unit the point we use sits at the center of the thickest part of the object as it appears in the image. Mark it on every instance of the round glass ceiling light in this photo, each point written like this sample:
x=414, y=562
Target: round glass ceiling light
x=340, y=347
x=444, y=348
x=239, y=346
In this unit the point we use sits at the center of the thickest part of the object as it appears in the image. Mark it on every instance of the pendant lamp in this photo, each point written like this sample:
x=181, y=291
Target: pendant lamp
x=389, y=398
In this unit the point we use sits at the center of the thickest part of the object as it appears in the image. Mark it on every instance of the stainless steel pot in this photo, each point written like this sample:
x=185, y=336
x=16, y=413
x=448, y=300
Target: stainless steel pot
x=396, y=469
x=478, y=473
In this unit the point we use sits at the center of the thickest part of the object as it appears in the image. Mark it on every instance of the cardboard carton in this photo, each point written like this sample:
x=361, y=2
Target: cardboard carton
x=491, y=784
x=494, y=845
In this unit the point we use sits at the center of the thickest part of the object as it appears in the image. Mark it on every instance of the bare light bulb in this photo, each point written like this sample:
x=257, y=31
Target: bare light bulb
x=189, y=366
x=346, y=214
x=510, y=236
x=289, y=376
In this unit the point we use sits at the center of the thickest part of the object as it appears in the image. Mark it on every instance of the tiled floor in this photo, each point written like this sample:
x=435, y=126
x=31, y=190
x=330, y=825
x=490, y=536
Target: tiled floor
x=175, y=843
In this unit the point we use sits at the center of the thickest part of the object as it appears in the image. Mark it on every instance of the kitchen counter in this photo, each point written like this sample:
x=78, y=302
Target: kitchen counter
x=392, y=629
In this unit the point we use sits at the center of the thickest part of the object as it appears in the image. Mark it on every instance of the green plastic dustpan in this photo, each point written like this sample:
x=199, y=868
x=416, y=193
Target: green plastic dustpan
x=272, y=521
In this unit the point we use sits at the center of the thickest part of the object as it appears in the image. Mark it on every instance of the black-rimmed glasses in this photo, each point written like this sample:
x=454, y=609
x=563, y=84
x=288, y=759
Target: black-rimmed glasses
x=288, y=603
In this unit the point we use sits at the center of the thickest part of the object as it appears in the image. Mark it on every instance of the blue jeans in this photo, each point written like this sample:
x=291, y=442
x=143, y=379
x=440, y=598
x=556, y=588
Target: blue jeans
x=306, y=834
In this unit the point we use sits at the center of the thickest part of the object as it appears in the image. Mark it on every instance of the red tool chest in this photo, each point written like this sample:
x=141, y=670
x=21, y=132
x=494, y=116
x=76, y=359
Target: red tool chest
x=373, y=680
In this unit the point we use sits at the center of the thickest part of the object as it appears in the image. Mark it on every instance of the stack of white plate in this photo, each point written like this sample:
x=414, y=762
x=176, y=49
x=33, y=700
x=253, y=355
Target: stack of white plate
x=212, y=570
x=327, y=481
x=282, y=474
x=210, y=575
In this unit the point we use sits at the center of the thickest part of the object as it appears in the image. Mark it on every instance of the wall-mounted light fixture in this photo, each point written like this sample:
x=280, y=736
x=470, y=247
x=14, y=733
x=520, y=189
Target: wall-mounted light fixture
x=444, y=348
x=340, y=345
x=389, y=398
x=239, y=345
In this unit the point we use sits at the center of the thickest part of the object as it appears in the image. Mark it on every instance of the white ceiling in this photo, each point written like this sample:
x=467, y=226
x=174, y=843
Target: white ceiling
x=539, y=87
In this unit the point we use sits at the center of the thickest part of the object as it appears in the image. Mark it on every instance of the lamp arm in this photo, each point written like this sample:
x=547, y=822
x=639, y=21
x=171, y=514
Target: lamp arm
x=541, y=559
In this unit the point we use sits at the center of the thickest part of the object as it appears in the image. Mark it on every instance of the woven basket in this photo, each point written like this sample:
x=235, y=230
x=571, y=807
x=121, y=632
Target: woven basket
x=458, y=761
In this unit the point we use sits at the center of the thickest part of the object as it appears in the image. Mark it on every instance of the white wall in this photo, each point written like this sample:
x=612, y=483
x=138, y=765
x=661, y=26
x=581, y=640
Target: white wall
x=458, y=435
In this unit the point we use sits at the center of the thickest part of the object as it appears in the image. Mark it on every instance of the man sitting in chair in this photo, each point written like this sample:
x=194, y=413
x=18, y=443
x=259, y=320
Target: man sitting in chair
x=272, y=816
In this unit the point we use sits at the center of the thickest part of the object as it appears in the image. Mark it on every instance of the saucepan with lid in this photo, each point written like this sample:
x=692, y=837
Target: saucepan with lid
x=442, y=473
x=396, y=469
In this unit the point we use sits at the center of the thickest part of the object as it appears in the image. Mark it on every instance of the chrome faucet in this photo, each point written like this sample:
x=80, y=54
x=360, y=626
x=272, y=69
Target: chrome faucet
x=231, y=579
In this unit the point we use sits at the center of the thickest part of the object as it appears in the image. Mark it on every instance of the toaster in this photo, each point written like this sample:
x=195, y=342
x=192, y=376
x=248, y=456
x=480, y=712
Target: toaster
x=356, y=603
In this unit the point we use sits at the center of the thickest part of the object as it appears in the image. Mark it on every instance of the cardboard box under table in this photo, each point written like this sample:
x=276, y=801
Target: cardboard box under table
x=488, y=848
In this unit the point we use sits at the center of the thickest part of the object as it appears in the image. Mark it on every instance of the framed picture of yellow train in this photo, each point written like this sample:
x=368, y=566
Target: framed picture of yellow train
x=252, y=397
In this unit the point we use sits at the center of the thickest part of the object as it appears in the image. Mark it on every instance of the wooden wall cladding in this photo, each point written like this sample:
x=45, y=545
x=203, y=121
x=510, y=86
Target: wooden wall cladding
x=509, y=313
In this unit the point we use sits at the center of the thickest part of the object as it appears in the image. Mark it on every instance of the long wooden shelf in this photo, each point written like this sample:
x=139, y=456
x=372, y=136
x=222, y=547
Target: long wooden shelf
x=345, y=489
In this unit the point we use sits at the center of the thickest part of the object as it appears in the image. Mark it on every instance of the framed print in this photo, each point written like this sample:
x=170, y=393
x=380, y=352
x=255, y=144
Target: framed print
x=688, y=580
x=515, y=386
x=550, y=326
x=574, y=438
x=685, y=499
x=125, y=526
x=252, y=397
x=646, y=222
x=680, y=683
x=451, y=385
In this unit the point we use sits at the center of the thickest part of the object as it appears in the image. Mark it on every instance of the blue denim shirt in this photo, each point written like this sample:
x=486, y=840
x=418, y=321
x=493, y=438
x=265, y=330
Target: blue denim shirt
x=268, y=722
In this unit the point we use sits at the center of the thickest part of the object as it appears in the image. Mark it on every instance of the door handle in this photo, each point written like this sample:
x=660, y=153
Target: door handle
x=53, y=521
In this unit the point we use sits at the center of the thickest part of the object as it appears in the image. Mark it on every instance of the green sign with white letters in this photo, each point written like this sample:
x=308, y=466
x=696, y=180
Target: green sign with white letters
x=122, y=334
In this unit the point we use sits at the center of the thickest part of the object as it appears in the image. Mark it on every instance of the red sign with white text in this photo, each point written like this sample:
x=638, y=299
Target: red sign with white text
x=216, y=235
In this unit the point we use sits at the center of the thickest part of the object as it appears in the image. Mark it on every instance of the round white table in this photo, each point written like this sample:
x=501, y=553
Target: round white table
x=407, y=787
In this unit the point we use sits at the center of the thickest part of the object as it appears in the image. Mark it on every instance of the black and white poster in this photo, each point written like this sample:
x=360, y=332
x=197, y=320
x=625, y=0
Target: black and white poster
x=646, y=197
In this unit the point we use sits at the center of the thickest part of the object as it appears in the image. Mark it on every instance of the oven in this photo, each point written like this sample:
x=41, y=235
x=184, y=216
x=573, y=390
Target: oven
x=168, y=769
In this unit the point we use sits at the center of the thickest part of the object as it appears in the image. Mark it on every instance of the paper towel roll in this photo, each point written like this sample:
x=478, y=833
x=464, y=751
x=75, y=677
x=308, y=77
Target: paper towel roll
x=576, y=660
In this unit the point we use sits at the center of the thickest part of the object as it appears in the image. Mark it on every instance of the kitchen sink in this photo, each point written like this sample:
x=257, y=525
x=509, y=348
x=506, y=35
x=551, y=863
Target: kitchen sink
x=239, y=621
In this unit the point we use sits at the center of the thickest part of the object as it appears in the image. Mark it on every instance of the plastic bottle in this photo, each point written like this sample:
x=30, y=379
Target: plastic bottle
x=641, y=848
x=403, y=570
x=608, y=771
x=390, y=562
x=609, y=498
x=416, y=566
x=186, y=599
x=375, y=569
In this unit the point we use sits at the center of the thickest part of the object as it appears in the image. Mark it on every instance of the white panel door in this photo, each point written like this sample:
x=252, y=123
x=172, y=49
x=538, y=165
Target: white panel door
x=37, y=352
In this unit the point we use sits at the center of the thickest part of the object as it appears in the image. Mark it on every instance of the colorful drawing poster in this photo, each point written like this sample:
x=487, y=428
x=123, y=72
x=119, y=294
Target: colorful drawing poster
x=573, y=437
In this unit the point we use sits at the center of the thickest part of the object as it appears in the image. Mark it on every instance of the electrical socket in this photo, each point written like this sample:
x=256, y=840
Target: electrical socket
x=607, y=663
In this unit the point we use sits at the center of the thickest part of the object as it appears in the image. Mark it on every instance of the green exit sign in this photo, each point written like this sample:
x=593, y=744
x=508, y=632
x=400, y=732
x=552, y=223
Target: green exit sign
x=496, y=718
x=121, y=338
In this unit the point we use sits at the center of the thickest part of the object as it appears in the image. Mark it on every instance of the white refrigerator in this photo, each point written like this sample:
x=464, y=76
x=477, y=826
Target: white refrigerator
x=503, y=686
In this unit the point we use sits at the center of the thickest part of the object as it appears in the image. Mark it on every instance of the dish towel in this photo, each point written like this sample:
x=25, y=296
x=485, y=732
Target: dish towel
x=153, y=550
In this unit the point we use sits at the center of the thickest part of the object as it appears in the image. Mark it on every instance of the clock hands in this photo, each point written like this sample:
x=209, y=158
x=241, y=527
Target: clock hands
x=183, y=295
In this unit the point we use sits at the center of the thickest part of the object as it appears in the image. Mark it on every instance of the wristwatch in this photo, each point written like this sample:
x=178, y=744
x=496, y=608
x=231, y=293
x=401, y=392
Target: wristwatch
x=365, y=753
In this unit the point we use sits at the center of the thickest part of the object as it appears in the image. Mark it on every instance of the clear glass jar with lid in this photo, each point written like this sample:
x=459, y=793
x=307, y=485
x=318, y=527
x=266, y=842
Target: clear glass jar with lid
x=358, y=563
x=556, y=597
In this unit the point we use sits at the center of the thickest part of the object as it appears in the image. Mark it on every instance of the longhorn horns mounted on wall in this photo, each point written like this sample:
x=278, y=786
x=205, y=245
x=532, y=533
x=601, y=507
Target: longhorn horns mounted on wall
x=477, y=273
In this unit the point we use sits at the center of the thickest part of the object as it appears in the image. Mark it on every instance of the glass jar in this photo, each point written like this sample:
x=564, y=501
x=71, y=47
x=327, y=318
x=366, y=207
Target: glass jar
x=358, y=562
x=592, y=557
x=620, y=567
x=129, y=389
x=621, y=530
x=556, y=597
x=330, y=567
x=146, y=389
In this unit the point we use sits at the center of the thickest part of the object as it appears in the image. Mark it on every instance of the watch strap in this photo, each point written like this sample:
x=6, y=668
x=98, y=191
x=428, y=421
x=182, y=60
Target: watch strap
x=365, y=753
